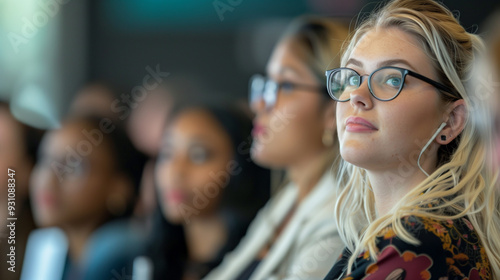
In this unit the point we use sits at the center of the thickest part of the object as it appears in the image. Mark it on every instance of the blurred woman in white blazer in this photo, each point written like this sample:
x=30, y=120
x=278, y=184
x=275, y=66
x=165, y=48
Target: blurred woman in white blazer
x=294, y=236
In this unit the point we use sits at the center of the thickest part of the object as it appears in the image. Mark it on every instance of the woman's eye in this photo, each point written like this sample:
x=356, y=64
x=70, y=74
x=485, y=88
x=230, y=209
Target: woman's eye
x=165, y=155
x=45, y=161
x=353, y=80
x=199, y=155
x=287, y=86
x=394, y=81
x=80, y=169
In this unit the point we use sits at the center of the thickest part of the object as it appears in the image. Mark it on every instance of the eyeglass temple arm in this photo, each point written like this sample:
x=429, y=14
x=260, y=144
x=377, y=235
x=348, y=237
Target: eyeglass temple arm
x=432, y=82
x=323, y=89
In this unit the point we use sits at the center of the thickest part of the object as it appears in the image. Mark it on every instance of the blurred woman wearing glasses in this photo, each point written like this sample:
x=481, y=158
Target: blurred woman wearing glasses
x=294, y=235
x=419, y=200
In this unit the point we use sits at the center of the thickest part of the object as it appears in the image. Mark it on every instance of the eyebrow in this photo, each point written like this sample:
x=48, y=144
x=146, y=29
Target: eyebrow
x=354, y=62
x=195, y=140
x=289, y=69
x=382, y=63
x=286, y=69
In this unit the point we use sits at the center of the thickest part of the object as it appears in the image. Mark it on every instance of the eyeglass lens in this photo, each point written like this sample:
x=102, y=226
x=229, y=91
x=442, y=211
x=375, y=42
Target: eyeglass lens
x=263, y=89
x=384, y=83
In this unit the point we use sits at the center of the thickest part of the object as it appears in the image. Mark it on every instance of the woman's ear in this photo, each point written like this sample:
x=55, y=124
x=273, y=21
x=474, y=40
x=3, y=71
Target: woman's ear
x=456, y=117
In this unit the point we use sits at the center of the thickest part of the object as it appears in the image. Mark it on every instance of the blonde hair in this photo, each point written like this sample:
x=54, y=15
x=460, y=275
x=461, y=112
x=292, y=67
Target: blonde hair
x=462, y=185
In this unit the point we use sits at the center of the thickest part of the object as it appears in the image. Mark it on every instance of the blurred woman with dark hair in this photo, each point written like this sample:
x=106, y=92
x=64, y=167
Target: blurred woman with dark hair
x=87, y=176
x=18, y=146
x=209, y=190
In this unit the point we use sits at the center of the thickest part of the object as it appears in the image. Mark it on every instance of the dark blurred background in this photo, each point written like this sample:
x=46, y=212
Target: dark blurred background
x=51, y=48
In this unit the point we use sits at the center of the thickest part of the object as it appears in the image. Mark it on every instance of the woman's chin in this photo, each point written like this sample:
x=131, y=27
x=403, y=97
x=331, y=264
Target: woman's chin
x=174, y=218
x=355, y=156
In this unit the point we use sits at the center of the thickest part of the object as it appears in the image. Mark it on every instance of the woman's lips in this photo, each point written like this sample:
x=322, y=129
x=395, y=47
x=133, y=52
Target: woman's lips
x=175, y=196
x=258, y=130
x=357, y=124
x=46, y=200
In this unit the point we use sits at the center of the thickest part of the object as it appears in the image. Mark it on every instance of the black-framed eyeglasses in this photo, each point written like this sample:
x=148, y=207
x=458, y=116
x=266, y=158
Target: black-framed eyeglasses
x=384, y=84
x=266, y=89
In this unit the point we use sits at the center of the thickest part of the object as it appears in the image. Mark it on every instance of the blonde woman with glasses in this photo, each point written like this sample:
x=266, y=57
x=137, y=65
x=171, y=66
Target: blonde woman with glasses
x=419, y=200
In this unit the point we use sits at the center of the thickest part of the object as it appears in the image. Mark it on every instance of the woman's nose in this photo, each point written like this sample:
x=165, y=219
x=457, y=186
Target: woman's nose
x=258, y=105
x=362, y=97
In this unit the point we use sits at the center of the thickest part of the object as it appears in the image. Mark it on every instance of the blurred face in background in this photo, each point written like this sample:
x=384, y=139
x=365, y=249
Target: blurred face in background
x=195, y=147
x=291, y=130
x=147, y=121
x=65, y=191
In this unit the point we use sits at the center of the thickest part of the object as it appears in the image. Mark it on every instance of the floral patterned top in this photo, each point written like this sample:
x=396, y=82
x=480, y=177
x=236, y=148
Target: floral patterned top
x=449, y=250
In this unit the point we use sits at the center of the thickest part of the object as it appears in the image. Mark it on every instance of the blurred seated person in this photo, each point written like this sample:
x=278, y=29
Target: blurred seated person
x=86, y=180
x=208, y=189
x=18, y=146
x=145, y=126
x=143, y=120
x=294, y=130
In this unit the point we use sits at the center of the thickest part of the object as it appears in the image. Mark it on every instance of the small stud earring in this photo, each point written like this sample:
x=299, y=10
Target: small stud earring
x=443, y=137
